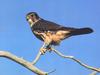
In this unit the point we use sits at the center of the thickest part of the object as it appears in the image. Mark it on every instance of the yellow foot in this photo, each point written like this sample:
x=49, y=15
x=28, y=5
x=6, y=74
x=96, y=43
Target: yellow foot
x=43, y=50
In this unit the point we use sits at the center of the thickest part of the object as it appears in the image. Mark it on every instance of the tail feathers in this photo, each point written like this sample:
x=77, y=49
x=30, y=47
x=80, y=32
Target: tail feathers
x=81, y=31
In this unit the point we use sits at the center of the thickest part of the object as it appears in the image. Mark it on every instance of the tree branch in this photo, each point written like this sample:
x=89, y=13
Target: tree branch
x=29, y=65
x=37, y=58
x=93, y=73
x=22, y=62
x=76, y=60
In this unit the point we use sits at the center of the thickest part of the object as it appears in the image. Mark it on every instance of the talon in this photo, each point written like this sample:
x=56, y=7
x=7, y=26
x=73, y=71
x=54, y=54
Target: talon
x=43, y=50
x=49, y=49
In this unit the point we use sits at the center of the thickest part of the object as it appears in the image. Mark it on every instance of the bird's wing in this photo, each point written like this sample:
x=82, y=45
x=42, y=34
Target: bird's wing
x=44, y=25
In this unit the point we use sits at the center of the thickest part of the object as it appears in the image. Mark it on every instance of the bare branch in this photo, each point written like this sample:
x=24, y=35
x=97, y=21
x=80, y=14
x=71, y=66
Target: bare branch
x=37, y=58
x=29, y=65
x=76, y=60
x=93, y=73
x=22, y=62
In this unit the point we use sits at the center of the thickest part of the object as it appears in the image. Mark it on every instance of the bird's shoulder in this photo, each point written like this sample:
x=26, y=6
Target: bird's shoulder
x=49, y=24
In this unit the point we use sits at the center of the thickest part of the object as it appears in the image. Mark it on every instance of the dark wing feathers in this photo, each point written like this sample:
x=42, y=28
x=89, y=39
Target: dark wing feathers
x=44, y=25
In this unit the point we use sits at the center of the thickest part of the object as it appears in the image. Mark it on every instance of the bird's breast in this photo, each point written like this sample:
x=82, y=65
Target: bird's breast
x=51, y=37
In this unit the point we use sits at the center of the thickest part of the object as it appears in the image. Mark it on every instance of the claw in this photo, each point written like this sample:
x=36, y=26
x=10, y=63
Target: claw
x=43, y=50
x=49, y=48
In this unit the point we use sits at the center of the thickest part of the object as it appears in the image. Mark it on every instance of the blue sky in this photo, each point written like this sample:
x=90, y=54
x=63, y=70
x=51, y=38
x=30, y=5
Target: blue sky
x=17, y=38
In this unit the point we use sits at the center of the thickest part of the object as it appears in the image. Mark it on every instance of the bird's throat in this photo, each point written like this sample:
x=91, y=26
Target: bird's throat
x=32, y=23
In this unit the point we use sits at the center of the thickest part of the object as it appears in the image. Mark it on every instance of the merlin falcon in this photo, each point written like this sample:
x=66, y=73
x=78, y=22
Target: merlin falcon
x=51, y=33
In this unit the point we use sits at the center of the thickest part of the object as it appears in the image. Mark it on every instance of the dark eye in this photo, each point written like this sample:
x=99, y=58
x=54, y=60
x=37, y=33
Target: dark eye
x=32, y=15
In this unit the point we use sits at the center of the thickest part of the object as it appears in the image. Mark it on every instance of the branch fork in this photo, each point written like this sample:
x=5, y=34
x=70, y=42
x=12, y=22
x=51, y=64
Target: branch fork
x=31, y=67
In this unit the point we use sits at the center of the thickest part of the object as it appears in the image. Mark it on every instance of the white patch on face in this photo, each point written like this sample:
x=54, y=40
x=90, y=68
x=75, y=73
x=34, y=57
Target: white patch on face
x=30, y=22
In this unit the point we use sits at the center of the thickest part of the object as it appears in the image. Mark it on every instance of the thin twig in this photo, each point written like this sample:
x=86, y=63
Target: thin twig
x=37, y=58
x=52, y=71
x=34, y=69
x=22, y=62
x=76, y=60
x=93, y=73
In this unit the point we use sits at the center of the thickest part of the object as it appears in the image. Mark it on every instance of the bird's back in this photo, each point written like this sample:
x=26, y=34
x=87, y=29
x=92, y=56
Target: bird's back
x=44, y=25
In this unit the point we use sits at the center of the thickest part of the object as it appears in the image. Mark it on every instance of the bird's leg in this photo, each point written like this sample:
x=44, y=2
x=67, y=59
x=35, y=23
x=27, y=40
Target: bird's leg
x=47, y=40
x=49, y=48
x=43, y=49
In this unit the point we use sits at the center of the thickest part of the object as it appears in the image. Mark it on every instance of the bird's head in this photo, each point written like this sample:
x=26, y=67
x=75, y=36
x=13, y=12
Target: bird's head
x=32, y=17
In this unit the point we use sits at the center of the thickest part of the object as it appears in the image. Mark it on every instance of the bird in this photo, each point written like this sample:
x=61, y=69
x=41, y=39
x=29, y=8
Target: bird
x=52, y=33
